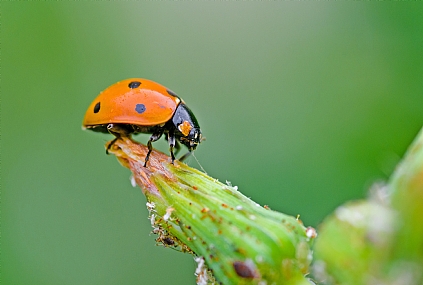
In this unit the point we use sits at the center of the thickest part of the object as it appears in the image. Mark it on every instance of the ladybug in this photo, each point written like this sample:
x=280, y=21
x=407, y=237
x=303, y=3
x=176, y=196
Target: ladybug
x=139, y=105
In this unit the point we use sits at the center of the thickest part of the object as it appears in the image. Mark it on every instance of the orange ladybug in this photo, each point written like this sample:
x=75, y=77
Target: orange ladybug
x=139, y=105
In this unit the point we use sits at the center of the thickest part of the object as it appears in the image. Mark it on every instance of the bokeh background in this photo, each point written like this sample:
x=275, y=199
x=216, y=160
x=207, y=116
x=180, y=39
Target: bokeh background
x=304, y=105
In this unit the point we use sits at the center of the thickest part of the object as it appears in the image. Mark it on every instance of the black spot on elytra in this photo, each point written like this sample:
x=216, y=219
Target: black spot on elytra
x=97, y=107
x=140, y=108
x=171, y=93
x=134, y=84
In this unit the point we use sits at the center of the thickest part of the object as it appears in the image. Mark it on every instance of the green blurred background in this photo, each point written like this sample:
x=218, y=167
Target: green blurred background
x=304, y=106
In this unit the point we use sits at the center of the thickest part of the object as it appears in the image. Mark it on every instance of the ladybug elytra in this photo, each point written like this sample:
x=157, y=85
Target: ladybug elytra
x=139, y=105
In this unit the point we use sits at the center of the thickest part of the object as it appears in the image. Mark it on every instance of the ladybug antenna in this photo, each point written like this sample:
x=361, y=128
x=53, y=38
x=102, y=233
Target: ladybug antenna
x=199, y=163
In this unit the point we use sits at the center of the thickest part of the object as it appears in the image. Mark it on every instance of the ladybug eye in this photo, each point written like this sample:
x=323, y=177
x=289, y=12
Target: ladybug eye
x=134, y=84
x=97, y=107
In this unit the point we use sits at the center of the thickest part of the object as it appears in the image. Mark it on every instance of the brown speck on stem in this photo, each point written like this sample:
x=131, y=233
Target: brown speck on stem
x=245, y=269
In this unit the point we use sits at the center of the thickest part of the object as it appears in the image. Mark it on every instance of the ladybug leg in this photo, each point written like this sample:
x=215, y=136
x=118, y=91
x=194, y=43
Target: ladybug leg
x=177, y=147
x=154, y=137
x=185, y=156
x=172, y=141
x=117, y=131
x=111, y=144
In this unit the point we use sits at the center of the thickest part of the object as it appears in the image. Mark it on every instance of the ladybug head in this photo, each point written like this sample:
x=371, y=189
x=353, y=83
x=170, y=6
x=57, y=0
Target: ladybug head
x=187, y=129
x=192, y=140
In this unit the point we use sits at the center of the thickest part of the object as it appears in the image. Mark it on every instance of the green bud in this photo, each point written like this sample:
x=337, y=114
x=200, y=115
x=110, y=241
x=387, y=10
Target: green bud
x=406, y=185
x=378, y=240
x=233, y=239
x=354, y=244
